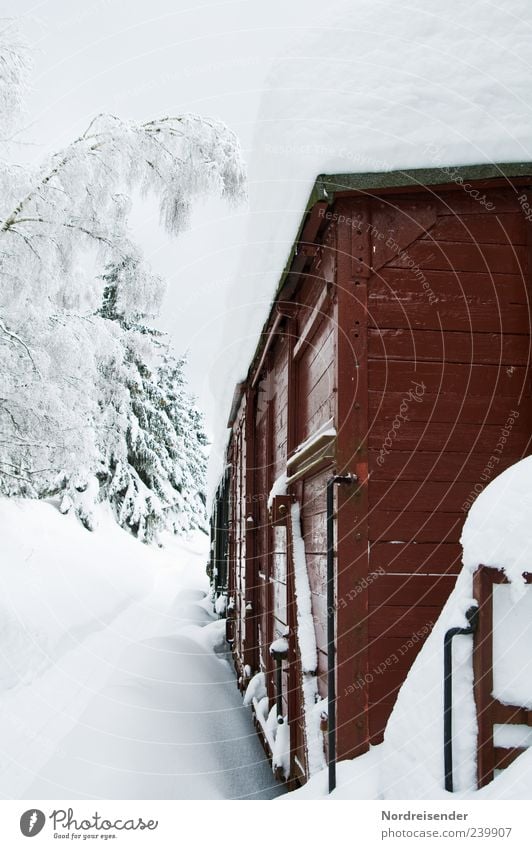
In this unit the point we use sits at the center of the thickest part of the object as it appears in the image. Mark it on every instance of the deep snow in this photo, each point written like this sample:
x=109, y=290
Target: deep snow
x=113, y=684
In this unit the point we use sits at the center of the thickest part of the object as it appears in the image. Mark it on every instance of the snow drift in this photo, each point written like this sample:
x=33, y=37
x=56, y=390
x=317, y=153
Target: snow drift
x=114, y=681
x=58, y=583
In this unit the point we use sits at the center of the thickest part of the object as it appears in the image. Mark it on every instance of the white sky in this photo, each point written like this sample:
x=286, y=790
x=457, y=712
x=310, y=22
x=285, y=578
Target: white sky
x=144, y=60
x=309, y=87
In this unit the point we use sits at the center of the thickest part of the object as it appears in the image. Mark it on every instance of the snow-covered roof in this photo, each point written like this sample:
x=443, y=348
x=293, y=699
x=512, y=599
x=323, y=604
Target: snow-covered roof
x=326, y=186
x=373, y=88
x=324, y=189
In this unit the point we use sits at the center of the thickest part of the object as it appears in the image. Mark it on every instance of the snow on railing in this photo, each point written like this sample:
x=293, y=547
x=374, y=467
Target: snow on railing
x=278, y=488
x=326, y=429
x=308, y=650
x=256, y=689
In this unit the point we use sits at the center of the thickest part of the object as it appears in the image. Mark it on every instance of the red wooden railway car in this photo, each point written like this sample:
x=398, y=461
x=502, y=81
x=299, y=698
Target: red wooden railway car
x=397, y=351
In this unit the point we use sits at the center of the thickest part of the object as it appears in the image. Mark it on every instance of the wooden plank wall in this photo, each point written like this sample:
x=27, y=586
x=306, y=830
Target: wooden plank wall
x=449, y=314
x=315, y=390
x=263, y=531
x=440, y=343
x=238, y=547
x=278, y=411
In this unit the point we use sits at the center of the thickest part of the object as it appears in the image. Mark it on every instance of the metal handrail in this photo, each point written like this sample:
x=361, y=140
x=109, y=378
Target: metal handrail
x=472, y=618
x=331, y=642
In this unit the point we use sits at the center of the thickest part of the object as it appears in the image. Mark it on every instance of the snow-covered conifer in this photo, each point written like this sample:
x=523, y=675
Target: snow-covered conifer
x=153, y=459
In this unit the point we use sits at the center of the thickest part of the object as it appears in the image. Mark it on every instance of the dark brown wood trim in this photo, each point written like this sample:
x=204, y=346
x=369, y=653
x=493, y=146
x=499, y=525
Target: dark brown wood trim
x=483, y=676
x=352, y=562
x=295, y=693
x=506, y=755
x=313, y=320
x=489, y=710
x=251, y=624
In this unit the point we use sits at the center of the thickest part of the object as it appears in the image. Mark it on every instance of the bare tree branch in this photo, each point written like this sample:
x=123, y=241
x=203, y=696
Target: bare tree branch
x=16, y=338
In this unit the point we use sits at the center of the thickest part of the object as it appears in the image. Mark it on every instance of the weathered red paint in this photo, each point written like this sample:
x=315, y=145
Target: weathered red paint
x=490, y=711
x=404, y=321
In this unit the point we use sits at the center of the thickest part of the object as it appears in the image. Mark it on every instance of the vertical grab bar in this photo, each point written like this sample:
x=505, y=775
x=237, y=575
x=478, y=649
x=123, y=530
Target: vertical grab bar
x=472, y=618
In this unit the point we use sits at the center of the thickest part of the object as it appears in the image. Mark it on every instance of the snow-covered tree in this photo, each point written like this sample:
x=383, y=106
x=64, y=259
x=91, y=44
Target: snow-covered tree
x=153, y=448
x=72, y=375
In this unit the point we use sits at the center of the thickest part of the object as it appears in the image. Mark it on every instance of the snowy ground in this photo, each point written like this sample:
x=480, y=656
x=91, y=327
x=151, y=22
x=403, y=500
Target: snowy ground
x=110, y=687
x=113, y=681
